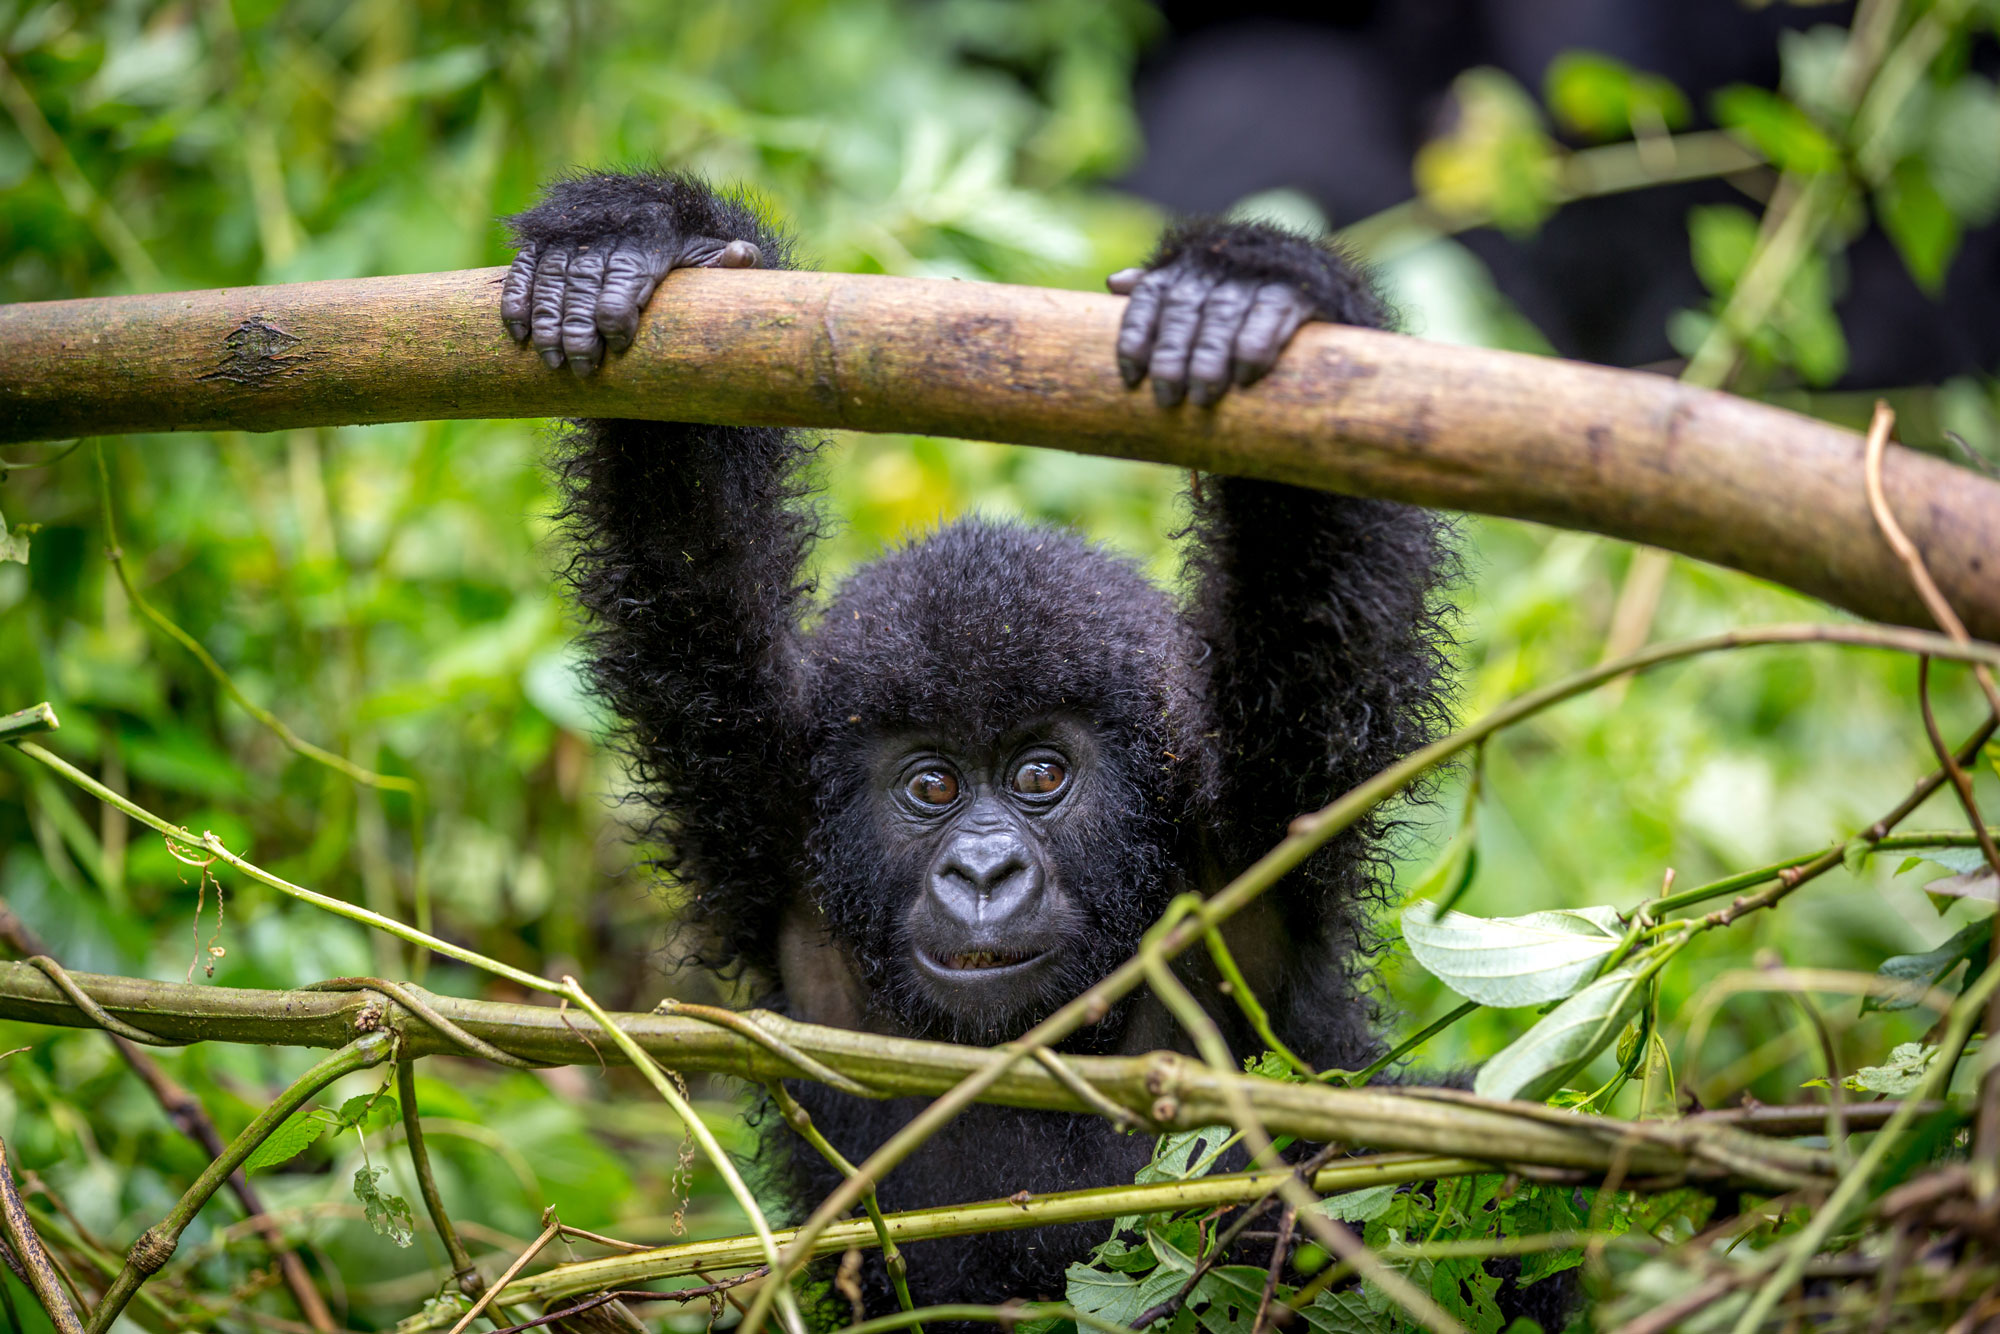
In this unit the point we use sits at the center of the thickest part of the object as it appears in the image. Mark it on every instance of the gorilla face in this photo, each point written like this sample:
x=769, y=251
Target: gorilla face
x=992, y=907
x=986, y=881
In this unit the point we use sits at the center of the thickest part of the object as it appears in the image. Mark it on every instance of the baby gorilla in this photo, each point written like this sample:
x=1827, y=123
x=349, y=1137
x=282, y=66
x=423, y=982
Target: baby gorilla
x=953, y=795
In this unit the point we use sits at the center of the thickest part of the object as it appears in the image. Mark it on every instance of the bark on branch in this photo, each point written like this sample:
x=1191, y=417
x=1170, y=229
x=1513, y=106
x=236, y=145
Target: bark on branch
x=1632, y=455
x=1164, y=1090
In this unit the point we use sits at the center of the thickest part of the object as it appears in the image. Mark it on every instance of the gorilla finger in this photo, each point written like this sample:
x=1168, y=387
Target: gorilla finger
x=545, y=306
x=515, y=292
x=1180, y=321
x=739, y=255
x=1122, y=282
x=1135, y=330
x=1221, y=319
x=631, y=272
x=581, y=344
x=1274, y=317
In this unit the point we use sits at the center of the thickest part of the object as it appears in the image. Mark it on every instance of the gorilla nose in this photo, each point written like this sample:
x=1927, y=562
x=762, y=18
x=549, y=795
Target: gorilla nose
x=986, y=880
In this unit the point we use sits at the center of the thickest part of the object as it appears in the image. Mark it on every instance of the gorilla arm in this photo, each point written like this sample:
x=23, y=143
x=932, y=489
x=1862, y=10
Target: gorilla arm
x=685, y=546
x=1326, y=656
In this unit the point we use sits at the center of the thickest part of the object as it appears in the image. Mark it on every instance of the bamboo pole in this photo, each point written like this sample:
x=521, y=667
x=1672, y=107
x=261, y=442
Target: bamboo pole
x=1631, y=455
x=1165, y=1090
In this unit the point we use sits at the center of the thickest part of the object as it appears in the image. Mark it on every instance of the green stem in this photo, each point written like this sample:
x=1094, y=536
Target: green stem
x=340, y=908
x=463, y=1270
x=1253, y=1009
x=725, y=1166
x=1409, y=1044
x=275, y=725
x=801, y=1123
x=156, y=1245
x=27, y=722
x=1079, y=1206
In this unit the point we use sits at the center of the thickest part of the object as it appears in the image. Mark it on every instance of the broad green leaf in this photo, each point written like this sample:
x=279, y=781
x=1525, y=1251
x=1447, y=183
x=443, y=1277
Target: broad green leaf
x=368, y=1111
x=1495, y=162
x=1720, y=239
x=1777, y=129
x=1963, y=860
x=1506, y=961
x=1359, y=1206
x=1907, y=1066
x=1921, y=971
x=1180, y=1155
x=1347, y=1312
x=288, y=1141
x=1227, y=1298
x=1466, y=1291
x=389, y=1215
x=1602, y=98
x=1118, y=1297
x=1965, y=126
x=1920, y=223
x=1538, y=1062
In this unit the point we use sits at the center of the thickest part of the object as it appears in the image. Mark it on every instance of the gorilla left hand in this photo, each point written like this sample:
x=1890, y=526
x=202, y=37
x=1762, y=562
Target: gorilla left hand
x=1193, y=329
x=1219, y=300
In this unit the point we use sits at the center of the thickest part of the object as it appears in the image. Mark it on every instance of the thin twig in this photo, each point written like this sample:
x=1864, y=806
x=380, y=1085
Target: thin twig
x=507, y=1275
x=1280, y=1252
x=802, y=1125
x=28, y=1259
x=470, y=1282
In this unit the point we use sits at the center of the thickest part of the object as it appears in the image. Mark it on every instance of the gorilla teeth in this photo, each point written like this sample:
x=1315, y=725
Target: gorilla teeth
x=974, y=960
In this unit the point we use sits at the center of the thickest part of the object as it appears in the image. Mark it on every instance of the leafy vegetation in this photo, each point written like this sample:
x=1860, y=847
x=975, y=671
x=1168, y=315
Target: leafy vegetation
x=386, y=593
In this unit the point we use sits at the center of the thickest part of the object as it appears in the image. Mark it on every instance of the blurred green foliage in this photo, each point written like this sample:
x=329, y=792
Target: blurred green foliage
x=388, y=591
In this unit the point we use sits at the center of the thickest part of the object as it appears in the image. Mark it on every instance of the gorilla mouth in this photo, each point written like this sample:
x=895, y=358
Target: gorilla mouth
x=983, y=961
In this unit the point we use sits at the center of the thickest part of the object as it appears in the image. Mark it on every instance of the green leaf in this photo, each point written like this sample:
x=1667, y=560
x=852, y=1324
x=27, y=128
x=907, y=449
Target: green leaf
x=365, y=1112
x=1466, y=1291
x=1601, y=98
x=1118, y=1297
x=1539, y=1062
x=1965, y=125
x=389, y=1215
x=1777, y=129
x=1180, y=1155
x=1952, y=857
x=1904, y=1073
x=1721, y=238
x=14, y=545
x=1495, y=161
x=1919, y=972
x=288, y=1141
x=1347, y=1312
x=1920, y=223
x=1359, y=1206
x=1505, y=961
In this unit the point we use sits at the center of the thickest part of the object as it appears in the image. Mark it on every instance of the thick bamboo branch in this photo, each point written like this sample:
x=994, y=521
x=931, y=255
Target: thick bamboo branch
x=1632, y=455
x=1163, y=1090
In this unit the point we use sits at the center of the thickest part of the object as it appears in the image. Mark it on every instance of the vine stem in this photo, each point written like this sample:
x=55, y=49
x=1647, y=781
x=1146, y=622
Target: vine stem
x=1308, y=833
x=339, y=907
x=156, y=1244
x=642, y=1060
x=277, y=726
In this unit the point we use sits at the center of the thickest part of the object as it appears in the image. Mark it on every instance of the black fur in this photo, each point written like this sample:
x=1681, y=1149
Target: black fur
x=1308, y=654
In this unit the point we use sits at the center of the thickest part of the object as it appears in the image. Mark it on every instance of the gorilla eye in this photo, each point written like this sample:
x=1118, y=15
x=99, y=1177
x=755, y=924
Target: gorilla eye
x=934, y=787
x=1038, y=778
